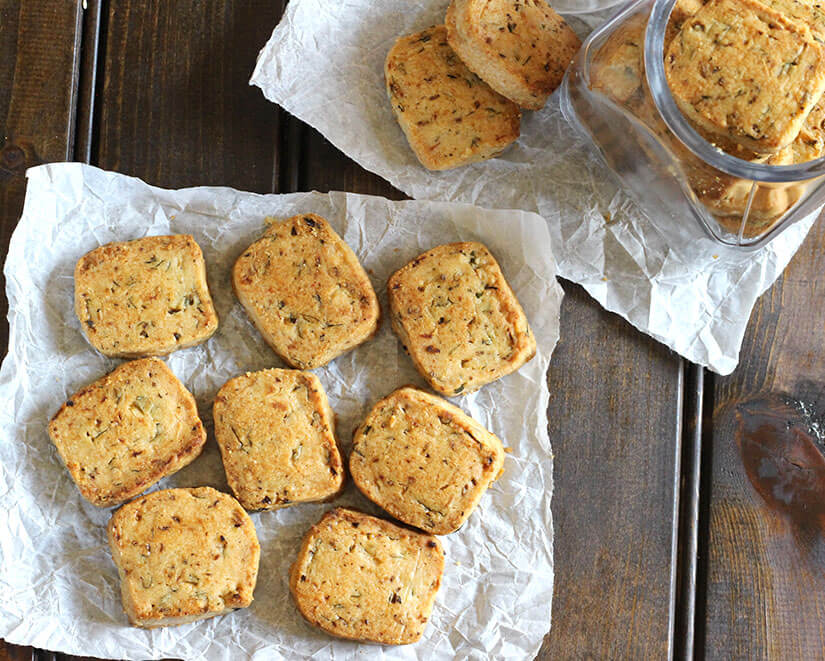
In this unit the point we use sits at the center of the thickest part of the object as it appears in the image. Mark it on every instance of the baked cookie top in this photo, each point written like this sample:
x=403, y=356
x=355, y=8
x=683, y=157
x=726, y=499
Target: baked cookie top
x=521, y=48
x=276, y=429
x=423, y=460
x=809, y=12
x=363, y=578
x=458, y=318
x=127, y=430
x=450, y=116
x=742, y=70
x=183, y=555
x=617, y=67
x=810, y=143
x=306, y=292
x=146, y=297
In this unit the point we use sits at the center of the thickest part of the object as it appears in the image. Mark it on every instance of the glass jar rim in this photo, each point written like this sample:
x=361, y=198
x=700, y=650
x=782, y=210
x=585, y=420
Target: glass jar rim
x=679, y=125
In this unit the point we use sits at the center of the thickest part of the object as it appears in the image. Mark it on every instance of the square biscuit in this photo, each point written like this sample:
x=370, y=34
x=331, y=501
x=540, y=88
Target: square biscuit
x=521, y=48
x=458, y=319
x=363, y=578
x=127, y=430
x=423, y=460
x=746, y=72
x=306, y=292
x=183, y=555
x=276, y=432
x=146, y=297
x=450, y=116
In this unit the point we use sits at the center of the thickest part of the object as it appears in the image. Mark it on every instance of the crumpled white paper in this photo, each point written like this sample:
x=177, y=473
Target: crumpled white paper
x=324, y=64
x=58, y=585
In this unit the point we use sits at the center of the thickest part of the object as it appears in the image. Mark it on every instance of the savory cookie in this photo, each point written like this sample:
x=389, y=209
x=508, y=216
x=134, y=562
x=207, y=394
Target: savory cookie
x=617, y=67
x=450, y=116
x=423, y=460
x=306, y=292
x=768, y=205
x=727, y=196
x=363, y=578
x=746, y=72
x=521, y=48
x=276, y=432
x=810, y=143
x=126, y=431
x=183, y=555
x=458, y=318
x=809, y=12
x=682, y=11
x=146, y=297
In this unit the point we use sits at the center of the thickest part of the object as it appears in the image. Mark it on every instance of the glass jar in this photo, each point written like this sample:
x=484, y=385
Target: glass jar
x=617, y=91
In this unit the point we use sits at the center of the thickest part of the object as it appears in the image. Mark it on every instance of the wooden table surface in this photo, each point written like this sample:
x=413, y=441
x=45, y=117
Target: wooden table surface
x=678, y=532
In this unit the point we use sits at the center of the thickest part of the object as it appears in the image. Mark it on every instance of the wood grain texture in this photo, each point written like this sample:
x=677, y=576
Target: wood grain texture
x=15, y=653
x=176, y=108
x=765, y=565
x=615, y=425
x=38, y=71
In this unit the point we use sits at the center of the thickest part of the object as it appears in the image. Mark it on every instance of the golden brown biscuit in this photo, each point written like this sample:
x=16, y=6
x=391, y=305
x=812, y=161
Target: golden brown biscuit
x=127, y=430
x=810, y=143
x=276, y=432
x=746, y=72
x=682, y=11
x=450, y=116
x=363, y=578
x=521, y=48
x=146, y=297
x=727, y=195
x=809, y=12
x=306, y=292
x=183, y=555
x=423, y=460
x=458, y=319
x=617, y=67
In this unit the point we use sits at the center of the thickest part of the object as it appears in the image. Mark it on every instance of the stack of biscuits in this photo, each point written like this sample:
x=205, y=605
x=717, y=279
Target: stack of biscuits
x=749, y=75
x=189, y=554
x=456, y=89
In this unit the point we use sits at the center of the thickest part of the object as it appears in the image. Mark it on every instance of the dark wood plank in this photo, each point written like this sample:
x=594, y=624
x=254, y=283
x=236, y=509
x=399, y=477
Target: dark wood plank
x=175, y=107
x=15, y=653
x=615, y=427
x=38, y=51
x=764, y=593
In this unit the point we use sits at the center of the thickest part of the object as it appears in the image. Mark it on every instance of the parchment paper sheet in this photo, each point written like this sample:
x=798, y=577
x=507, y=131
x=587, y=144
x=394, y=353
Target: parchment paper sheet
x=324, y=64
x=58, y=586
